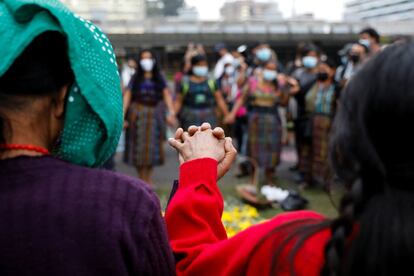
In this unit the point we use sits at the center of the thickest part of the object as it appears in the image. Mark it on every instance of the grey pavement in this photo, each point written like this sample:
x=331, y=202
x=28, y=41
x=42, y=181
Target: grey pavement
x=164, y=175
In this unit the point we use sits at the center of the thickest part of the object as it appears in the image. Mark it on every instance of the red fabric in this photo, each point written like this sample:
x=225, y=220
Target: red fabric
x=200, y=243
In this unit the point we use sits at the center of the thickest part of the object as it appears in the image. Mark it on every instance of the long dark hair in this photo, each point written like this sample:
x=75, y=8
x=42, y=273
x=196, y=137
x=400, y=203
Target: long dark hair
x=156, y=71
x=372, y=153
x=41, y=70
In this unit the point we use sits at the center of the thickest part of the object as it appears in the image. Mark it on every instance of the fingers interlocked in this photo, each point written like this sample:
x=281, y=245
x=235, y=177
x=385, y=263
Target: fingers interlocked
x=203, y=142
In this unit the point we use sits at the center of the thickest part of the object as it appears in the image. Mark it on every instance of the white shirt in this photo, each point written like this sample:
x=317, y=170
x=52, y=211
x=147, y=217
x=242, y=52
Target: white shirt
x=218, y=71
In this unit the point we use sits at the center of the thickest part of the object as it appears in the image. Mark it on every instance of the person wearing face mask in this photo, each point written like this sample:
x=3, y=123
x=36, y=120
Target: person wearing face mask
x=199, y=96
x=261, y=54
x=357, y=56
x=225, y=57
x=263, y=97
x=144, y=99
x=226, y=84
x=264, y=53
x=306, y=76
x=371, y=39
x=128, y=70
x=60, y=120
x=321, y=103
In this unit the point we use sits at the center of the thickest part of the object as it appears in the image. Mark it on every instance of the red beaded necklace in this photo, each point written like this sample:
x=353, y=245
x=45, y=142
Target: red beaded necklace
x=24, y=147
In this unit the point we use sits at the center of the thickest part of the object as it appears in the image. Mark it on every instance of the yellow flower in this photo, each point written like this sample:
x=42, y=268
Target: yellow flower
x=231, y=233
x=244, y=225
x=253, y=212
x=226, y=217
x=238, y=217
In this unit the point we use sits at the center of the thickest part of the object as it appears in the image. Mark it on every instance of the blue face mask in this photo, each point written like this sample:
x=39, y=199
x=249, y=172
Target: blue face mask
x=269, y=75
x=264, y=54
x=344, y=60
x=365, y=42
x=310, y=62
x=200, y=71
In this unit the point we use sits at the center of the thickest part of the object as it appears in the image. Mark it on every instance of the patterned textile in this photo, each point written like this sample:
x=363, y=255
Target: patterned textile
x=147, y=91
x=320, y=108
x=264, y=138
x=305, y=159
x=320, y=143
x=93, y=111
x=259, y=92
x=145, y=135
x=197, y=116
x=321, y=100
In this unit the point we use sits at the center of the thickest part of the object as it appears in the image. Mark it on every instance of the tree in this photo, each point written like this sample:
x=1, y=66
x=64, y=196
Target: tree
x=154, y=8
x=157, y=8
x=171, y=6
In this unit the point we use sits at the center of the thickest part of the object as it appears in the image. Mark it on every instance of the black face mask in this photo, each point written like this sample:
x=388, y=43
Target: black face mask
x=354, y=58
x=322, y=76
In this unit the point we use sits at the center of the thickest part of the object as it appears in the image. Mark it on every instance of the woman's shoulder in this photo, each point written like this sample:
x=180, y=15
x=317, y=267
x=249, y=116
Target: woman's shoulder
x=106, y=184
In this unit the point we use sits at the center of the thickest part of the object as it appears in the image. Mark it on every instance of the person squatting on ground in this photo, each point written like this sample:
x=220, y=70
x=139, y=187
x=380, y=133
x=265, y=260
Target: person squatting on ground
x=371, y=153
x=60, y=113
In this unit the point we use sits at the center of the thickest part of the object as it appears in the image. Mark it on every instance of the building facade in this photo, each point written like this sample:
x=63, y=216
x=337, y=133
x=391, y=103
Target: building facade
x=379, y=10
x=108, y=10
x=245, y=10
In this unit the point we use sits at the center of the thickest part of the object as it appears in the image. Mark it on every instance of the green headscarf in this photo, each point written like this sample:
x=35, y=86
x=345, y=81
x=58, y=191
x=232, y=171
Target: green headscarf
x=93, y=119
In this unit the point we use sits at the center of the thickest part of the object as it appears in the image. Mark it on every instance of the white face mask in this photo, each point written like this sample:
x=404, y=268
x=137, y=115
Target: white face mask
x=147, y=64
x=200, y=71
x=269, y=75
x=229, y=70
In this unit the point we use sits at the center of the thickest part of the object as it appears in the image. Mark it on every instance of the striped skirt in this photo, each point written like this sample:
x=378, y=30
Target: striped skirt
x=320, y=147
x=145, y=135
x=197, y=116
x=264, y=138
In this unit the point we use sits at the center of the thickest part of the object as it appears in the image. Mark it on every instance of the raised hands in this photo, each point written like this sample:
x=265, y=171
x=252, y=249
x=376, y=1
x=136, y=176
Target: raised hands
x=203, y=142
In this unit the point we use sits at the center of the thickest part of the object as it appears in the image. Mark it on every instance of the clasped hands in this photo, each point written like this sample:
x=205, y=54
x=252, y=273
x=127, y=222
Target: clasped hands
x=204, y=142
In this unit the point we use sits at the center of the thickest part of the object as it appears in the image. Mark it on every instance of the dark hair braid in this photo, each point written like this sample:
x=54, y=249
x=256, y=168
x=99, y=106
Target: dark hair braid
x=369, y=145
x=342, y=228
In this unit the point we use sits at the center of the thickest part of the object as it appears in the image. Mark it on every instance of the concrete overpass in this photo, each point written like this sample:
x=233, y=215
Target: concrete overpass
x=169, y=37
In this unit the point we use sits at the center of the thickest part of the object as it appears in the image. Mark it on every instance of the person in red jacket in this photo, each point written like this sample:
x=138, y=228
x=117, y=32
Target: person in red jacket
x=373, y=233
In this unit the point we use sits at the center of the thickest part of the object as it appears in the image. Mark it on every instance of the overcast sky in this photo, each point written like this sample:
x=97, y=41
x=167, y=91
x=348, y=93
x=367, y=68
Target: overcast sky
x=330, y=10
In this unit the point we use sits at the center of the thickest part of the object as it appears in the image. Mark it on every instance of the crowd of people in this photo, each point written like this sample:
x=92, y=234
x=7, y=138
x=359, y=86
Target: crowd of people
x=61, y=116
x=252, y=95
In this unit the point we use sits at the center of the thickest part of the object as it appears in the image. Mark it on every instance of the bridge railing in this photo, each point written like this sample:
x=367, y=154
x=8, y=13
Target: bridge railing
x=257, y=27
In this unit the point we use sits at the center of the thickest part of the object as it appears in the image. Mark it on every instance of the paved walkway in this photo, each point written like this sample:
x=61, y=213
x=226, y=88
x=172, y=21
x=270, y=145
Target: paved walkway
x=164, y=175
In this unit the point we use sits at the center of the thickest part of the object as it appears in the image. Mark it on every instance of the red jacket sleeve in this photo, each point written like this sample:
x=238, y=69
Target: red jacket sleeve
x=198, y=237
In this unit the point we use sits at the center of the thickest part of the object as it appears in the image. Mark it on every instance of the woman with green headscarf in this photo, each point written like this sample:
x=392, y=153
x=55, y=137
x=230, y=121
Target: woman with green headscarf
x=60, y=113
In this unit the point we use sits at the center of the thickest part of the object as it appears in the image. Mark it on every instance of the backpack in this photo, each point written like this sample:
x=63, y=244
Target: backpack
x=186, y=86
x=193, y=100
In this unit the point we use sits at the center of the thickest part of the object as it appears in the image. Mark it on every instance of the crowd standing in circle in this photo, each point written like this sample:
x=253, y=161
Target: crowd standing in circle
x=254, y=97
x=372, y=235
x=57, y=118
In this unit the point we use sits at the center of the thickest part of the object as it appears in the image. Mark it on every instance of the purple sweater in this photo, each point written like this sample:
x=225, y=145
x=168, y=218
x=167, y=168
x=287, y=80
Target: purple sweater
x=60, y=219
